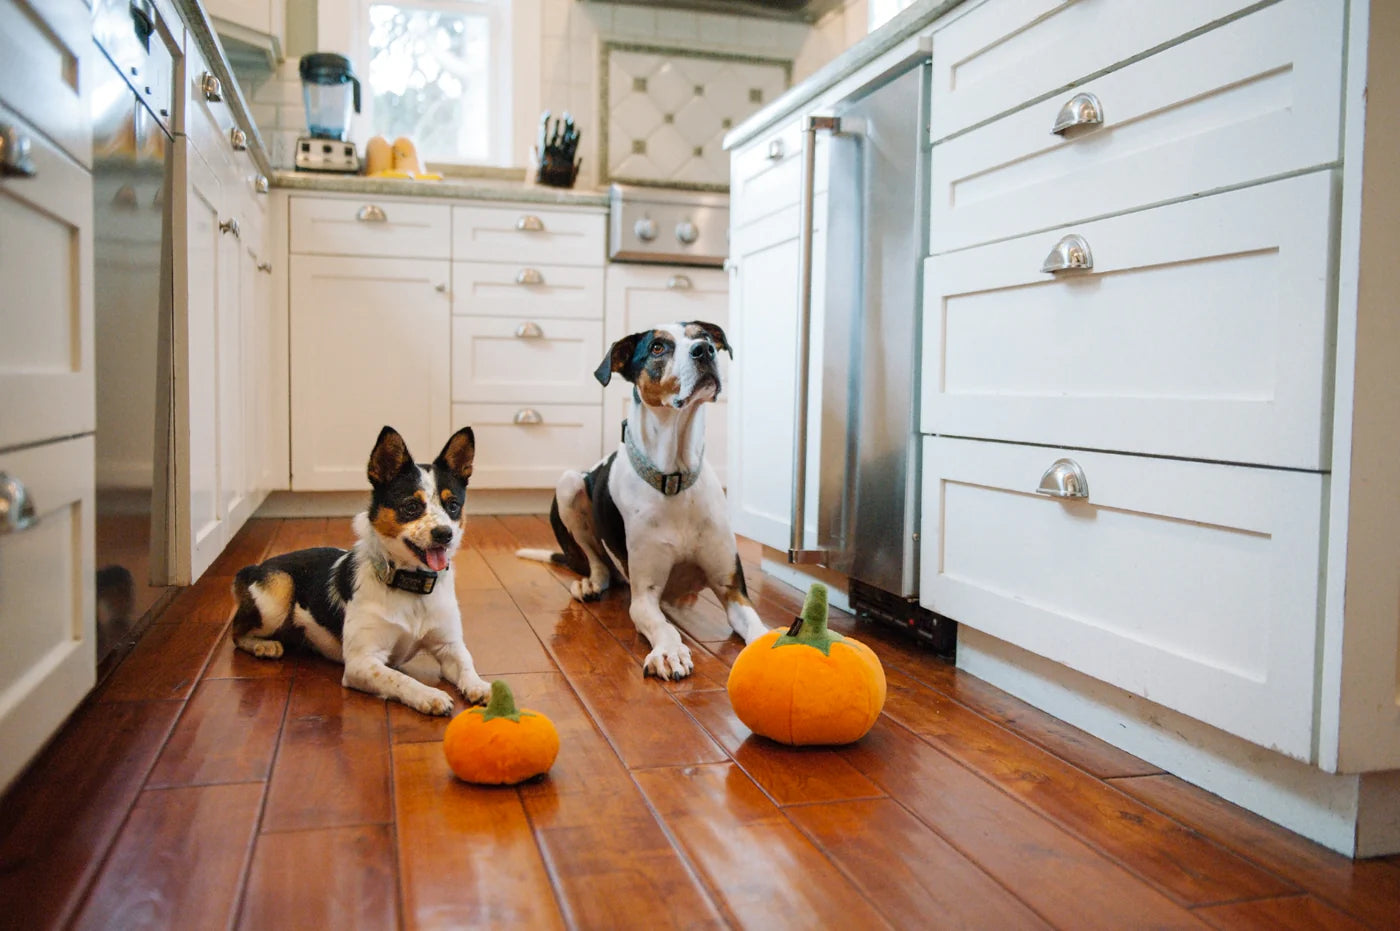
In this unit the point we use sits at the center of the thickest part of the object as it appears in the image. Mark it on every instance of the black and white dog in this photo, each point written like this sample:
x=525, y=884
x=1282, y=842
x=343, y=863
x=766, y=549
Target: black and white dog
x=653, y=513
x=375, y=606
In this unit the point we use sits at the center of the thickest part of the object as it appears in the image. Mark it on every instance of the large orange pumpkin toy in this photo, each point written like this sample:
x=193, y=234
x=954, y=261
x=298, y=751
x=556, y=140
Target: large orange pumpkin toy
x=500, y=744
x=808, y=684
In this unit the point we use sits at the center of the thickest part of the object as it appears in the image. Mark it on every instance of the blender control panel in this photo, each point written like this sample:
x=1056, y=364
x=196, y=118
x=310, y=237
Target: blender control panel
x=326, y=155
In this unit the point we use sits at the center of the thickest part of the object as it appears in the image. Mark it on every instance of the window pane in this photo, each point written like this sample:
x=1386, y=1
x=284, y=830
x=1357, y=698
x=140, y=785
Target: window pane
x=428, y=76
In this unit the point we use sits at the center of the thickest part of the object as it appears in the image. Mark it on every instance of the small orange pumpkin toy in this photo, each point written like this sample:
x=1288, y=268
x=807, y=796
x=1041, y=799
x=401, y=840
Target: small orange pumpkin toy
x=808, y=685
x=500, y=744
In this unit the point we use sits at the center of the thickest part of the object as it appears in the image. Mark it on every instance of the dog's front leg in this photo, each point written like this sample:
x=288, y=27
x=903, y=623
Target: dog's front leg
x=367, y=651
x=669, y=657
x=458, y=668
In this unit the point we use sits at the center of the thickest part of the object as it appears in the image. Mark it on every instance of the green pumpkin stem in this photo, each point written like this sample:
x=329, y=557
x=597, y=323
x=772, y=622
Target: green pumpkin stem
x=812, y=630
x=501, y=704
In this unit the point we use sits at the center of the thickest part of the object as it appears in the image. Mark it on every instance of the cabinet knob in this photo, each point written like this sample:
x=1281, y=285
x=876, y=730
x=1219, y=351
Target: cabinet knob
x=1064, y=479
x=231, y=226
x=528, y=416
x=645, y=229
x=529, y=276
x=686, y=233
x=14, y=153
x=371, y=213
x=210, y=87
x=17, y=511
x=530, y=224
x=261, y=184
x=1071, y=253
x=679, y=283
x=776, y=150
x=265, y=267
x=238, y=139
x=529, y=330
x=1082, y=109
x=440, y=288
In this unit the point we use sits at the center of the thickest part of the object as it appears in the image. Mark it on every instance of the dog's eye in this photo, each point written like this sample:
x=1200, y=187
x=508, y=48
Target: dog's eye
x=452, y=508
x=658, y=349
x=411, y=509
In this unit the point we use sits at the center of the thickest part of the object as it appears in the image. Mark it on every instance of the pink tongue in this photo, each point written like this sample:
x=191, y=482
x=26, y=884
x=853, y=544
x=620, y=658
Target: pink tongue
x=437, y=557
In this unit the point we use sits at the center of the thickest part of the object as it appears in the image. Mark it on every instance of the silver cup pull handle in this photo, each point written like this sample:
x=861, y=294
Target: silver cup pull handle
x=1082, y=109
x=1064, y=479
x=14, y=153
x=679, y=283
x=231, y=226
x=528, y=416
x=211, y=88
x=1070, y=254
x=17, y=511
x=529, y=276
x=371, y=213
x=238, y=139
x=529, y=330
x=530, y=224
x=265, y=267
x=776, y=150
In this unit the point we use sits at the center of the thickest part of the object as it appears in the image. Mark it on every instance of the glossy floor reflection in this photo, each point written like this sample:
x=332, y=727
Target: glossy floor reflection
x=201, y=787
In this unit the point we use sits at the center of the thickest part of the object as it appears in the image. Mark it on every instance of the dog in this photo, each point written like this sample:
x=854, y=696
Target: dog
x=375, y=606
x=652, y=514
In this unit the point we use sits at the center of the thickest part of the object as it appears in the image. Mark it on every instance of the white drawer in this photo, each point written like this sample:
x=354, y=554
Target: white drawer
x=372, y=227
x=1201, y=332
x=517, y=359
x=487, y=289
x=529, y=235
x=1006, y=52
x=46, y=62
x=767, y=174
x=1194, y=585
x=1253, y=99
x=46, y=265
x=530, y=446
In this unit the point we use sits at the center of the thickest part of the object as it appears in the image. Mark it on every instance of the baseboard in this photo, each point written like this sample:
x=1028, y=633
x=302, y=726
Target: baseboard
x=1353, y=814
x=349, y=503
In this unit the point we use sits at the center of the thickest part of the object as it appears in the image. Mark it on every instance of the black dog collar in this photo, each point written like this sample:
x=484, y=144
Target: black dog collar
x=417, y=581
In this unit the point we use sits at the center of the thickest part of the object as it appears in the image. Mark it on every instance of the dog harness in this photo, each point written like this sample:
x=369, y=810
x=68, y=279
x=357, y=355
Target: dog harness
x=668, y=483
x=417, y=581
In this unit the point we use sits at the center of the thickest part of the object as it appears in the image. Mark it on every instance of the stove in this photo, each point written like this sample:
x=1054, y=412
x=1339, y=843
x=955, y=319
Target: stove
x=667, y=226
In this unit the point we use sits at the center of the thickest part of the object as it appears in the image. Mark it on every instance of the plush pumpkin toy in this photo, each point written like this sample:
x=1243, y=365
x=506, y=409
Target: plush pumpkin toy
x=808, y=684
x=500, y=744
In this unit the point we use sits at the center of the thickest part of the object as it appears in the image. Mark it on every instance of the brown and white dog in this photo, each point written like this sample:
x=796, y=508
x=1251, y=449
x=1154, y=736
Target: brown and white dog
x=374, y=607
x=652, y=513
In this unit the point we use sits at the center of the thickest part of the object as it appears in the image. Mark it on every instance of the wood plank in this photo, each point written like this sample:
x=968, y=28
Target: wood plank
x=229, y=662
x=246, y=548
x=59, y=819
x=790, y=775
x=227, y=733
x=501, y=641
x=1181, y=862
x=467, y=857
x=178, y=861
x=299, y=533
x=208, y=601
x=470, y=571
x=1366, y=889
x=332, y=878
x=164, y=665
x=532, y=585
x=907, y=870
x=765, y=872
x=332, y=766
x=640, y=717
x=1292, y=913
x=1064, y=880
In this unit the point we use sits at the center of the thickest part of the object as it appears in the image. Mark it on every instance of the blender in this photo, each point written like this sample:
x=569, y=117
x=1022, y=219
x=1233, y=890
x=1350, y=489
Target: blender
x=331, y=93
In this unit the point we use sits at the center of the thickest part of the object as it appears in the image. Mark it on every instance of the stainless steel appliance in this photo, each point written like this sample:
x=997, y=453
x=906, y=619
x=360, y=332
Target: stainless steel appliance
x=669, y=227
x=331, y=93
x=867, y=514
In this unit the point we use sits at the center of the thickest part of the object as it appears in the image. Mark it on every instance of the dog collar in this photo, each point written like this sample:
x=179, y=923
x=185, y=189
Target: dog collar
x=668, y=483
x=417, y=581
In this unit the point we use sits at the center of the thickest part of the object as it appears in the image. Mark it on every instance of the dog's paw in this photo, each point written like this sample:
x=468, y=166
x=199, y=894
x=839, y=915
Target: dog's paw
x=585, y=590
x=432, y=701
x=669, y=664
x=475, y=689
x=266, y=649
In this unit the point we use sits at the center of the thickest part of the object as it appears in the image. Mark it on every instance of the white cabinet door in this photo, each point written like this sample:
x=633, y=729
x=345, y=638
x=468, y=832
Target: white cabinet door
x=232, y=381
x=263, y=17
x=45, y=69
x=46, y=599
x=371, y=345
x=1192, y=584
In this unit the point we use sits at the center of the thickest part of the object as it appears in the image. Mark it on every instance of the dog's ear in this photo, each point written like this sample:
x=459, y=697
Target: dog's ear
x=456, y=457
x=389, y=457
x=715, y=334
x=619, y=359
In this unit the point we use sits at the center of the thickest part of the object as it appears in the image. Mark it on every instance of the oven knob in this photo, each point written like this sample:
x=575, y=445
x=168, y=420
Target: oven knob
x=645, y=229
x=686, y=232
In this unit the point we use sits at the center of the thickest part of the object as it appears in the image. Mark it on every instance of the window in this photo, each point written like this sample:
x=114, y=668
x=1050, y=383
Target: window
x=439, y=73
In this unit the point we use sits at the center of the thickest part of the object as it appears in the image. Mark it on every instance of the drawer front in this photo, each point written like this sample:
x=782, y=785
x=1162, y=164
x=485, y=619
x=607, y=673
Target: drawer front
x=1007, y=52
x=377, y=228
x=529, y=236
x=207, y=122
x=492, y=289
x=767, y=174
x=530, y=446
x=1201, y=332
x=506, y=359
x=1253, y=99
x=1192, y=584
x=46, y=60
x=46, y=264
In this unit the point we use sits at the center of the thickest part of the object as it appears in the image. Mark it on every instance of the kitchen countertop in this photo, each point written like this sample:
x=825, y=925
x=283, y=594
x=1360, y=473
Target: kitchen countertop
x=906, y=23
x=484, y=189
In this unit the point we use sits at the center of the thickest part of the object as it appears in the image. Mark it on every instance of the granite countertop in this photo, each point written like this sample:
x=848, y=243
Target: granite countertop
x=485, y=189
x=909, y=21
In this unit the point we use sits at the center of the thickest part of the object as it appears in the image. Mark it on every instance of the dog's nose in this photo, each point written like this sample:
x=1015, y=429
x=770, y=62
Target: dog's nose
x=702, y=351
x=442, y=535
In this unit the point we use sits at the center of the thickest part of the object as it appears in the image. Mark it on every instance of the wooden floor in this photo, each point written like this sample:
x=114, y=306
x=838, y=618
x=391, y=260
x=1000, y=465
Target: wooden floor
x=201, y=788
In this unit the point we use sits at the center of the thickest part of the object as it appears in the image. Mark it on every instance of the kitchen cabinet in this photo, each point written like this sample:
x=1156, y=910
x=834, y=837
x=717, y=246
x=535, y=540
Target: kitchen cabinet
x=260, y=24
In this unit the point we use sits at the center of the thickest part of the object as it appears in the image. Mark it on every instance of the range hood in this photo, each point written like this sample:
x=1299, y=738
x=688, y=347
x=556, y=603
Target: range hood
x=802, y=11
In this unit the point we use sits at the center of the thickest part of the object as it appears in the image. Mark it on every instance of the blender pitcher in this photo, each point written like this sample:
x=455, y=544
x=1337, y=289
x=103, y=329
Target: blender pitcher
x=331, y=93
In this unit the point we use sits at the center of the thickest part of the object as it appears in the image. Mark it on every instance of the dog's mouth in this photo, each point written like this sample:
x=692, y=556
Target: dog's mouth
x=434, y=557
x=706, y=389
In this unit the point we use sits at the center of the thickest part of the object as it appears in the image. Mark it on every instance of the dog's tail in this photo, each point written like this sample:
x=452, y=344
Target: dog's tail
x=542, y=556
